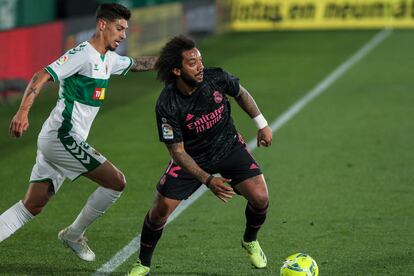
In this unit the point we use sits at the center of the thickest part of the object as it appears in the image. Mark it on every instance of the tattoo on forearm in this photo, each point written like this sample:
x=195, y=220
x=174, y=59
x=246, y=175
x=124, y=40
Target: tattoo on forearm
x=247, y=103
x=186, y=162
x=144, y=63
x=32, y=90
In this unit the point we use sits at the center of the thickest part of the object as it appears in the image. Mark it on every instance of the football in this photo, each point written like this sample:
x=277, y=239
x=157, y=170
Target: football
x=299, y=264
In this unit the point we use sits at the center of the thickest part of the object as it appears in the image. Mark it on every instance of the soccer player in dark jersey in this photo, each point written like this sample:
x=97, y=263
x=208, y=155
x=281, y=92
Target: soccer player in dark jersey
x=193, y=119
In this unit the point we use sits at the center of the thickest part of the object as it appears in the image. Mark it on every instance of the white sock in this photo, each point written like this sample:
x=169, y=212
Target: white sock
x=14, y=218
x=97, y=204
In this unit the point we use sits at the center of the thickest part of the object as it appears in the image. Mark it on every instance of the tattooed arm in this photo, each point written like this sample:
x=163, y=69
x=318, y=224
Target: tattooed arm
x=187, y=163
x=20, y=121
x=247, y=103
x=143, y=63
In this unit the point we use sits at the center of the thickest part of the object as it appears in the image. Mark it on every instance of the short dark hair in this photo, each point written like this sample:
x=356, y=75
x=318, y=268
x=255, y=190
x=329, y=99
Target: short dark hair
x=112, y=11
x=171, y=57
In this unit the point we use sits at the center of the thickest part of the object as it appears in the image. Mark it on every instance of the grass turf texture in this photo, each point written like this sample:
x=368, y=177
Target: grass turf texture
x=339, y=173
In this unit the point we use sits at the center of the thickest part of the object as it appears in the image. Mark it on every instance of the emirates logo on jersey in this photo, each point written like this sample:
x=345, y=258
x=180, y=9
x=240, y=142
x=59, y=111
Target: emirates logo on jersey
x=218, y=97
x=99, y=94
x=206, y=121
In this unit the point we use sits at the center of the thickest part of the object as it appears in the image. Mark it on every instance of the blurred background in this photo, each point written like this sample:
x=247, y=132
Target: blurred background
x=37, y=32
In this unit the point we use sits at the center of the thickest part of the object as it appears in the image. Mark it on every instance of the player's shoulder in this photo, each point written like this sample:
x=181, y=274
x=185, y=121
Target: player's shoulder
x=81, y=48
x=76, y=54
x=213, y=72
x=166, y=99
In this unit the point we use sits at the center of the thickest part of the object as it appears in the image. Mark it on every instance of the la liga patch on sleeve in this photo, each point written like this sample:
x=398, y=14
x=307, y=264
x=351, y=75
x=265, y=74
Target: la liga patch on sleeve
x=167, y=131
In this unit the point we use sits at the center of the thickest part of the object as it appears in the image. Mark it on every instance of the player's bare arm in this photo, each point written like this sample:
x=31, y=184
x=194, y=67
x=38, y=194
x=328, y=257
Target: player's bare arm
x=143, y=63
x=186, y=162
x=248, y=104
x=20, y=122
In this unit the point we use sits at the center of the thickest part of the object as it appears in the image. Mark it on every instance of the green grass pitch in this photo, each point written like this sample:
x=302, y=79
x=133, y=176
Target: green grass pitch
x=340, y=173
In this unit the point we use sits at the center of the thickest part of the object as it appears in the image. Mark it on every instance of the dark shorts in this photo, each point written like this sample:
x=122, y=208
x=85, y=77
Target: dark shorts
x=238, y=166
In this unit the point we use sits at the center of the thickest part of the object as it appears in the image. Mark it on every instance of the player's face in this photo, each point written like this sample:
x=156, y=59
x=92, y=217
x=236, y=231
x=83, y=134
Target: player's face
x=114, y=32
x=192, y=67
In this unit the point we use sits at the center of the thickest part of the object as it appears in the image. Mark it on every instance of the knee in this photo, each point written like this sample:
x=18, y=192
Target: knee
x=159, y=216
x=120, y=182
x=260, y=201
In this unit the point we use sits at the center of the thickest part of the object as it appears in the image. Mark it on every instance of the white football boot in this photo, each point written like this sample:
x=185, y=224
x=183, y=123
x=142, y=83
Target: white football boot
x=80, y=247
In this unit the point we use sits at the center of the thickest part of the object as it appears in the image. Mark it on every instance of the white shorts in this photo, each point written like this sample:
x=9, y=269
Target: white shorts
x=58, y=159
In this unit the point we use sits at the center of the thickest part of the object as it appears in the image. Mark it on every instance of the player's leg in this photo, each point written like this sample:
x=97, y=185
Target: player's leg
x=174, y=186
x=74, y=157
x=151, y=232
x=112, y=183
x=153, y=225
x=45, y=180
x=254, y=189
x=37, y=196
x=247, y=180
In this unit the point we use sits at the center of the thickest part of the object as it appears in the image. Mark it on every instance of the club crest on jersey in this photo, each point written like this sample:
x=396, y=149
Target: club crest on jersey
x=62, y=59
x=218, y=97
x=99, y=94
x=167, y=131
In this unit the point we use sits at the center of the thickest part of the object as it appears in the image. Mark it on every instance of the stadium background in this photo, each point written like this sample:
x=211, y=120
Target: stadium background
x=339, y=173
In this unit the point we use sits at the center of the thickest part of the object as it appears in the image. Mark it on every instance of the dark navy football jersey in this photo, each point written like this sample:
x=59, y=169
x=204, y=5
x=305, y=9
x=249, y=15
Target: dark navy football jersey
x=202, y=120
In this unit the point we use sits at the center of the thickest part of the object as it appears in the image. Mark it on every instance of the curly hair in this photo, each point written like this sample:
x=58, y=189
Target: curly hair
x=112, y=11
x=171, y=57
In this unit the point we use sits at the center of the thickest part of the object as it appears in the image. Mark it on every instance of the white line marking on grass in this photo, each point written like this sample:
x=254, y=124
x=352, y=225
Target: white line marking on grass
x=133, y=246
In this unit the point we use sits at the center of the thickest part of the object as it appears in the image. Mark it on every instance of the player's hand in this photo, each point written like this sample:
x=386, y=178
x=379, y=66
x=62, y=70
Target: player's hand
x=264, y=137
x=220, y=189
x=19, y=124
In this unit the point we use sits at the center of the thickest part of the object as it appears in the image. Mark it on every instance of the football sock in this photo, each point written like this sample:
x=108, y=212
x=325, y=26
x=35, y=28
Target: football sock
x=254, y=219
x=150, y=235
x=97, y=204
x=12, y=219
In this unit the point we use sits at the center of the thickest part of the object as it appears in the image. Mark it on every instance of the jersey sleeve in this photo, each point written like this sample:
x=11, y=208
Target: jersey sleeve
x=67, y=65
x=121, y=64
x=169, y=129
x=230, y=83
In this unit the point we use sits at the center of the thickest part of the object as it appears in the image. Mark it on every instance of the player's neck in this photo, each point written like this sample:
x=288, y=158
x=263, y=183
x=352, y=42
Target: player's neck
x=185, y=88
x=98, y=43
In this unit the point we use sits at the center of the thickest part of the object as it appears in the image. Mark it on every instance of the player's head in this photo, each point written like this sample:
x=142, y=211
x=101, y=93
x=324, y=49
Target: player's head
x=112, y=23
x=180, y=59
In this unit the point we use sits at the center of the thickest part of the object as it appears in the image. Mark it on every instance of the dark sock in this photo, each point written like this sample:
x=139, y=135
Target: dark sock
x=254, y=220
x=150, y=235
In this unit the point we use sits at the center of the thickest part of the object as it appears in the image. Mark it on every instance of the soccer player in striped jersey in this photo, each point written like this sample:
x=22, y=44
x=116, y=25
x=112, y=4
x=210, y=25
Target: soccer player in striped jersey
x=83, y=73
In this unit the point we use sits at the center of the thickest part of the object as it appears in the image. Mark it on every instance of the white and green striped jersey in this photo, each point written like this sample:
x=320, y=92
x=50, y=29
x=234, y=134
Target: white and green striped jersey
x=83, y=74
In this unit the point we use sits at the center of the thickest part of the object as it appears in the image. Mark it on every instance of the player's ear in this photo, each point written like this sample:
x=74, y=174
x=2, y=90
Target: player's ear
x=101, y=24
x=176, y=72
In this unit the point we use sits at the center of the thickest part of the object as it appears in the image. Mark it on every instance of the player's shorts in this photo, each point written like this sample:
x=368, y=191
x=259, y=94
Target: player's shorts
x=238, y=166
x=58, y=159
